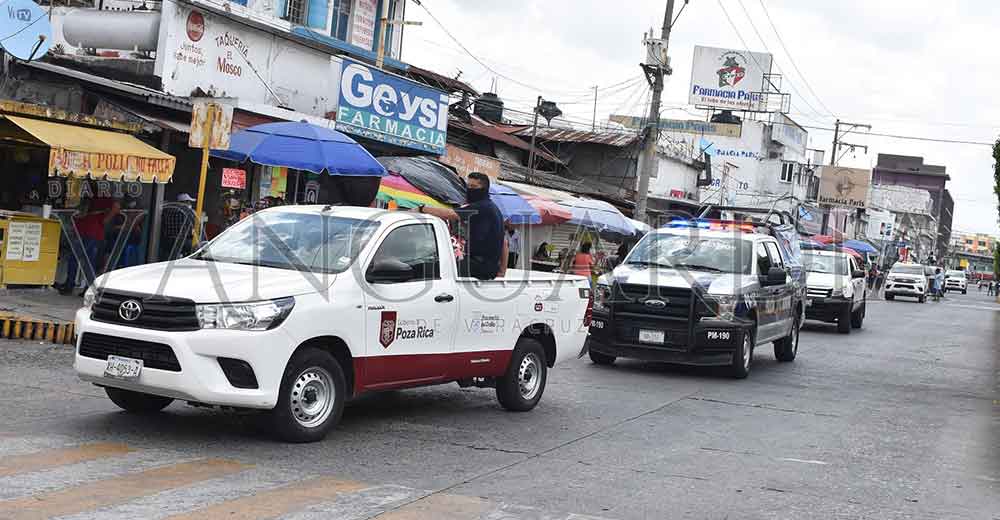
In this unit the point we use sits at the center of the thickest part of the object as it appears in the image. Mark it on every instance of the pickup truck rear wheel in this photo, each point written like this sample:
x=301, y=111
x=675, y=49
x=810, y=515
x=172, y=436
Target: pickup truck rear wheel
x=137, y=402
x=520, y=389
x=787, y=347
x=743, y=356
x=311, y=397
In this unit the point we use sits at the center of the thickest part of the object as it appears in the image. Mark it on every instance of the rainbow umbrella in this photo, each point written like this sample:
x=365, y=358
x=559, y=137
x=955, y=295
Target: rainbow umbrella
x=395, y=188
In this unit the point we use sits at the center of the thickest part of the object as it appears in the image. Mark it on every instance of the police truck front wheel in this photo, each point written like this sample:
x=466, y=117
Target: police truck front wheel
x=311, y=397
x=743, y=356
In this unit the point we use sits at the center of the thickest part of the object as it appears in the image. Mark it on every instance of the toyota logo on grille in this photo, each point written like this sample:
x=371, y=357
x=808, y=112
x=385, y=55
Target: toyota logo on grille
x=656, y=304
x=130, y=310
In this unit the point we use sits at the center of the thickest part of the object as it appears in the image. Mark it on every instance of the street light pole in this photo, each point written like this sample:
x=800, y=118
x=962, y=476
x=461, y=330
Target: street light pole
x=654, y=75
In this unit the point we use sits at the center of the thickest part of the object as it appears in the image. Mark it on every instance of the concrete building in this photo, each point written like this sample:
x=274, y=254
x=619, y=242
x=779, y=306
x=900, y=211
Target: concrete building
x=910, y=171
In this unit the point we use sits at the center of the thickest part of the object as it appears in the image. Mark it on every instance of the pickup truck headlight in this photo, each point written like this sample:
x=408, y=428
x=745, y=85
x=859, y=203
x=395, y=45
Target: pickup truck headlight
x=264, y=315
x=724, y=307
x=602, y=297
x=89, y=297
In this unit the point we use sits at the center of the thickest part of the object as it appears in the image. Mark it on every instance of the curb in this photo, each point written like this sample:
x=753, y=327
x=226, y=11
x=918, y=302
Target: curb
x=20, y=327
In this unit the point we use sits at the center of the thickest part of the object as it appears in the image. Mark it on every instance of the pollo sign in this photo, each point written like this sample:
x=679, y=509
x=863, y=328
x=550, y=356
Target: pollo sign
x=391, y=109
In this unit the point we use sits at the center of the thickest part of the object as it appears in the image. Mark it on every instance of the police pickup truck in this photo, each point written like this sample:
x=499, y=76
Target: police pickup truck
x=702, y=292
x=298, y=308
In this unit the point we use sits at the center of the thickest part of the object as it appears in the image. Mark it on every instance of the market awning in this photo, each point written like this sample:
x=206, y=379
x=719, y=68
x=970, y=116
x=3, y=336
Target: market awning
x=88, y=152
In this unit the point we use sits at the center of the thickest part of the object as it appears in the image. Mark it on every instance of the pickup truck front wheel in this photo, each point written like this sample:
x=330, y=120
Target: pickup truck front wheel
x=137, y=402
x=743, y=356
x=520, y=389
x=311, y=398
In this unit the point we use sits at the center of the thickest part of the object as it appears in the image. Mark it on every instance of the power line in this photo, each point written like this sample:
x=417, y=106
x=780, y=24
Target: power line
x=910, y=137
x=764, y=43
x=792, y=60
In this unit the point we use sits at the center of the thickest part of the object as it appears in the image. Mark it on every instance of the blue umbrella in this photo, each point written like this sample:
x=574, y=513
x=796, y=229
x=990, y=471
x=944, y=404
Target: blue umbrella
x=861, y=247
x=598, y=215
x=512, y=206
x=301, y=146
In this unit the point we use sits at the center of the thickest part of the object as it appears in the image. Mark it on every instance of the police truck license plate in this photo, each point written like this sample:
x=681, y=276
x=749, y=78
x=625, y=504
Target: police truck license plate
x=719, y=335
x=652, y=336
x=123, y=368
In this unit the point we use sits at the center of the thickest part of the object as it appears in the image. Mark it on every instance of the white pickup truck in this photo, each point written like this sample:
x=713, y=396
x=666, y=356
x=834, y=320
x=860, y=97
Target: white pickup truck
x=300, y=308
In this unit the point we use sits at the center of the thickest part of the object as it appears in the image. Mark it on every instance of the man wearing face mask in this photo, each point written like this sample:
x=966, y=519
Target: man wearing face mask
x=486, y=249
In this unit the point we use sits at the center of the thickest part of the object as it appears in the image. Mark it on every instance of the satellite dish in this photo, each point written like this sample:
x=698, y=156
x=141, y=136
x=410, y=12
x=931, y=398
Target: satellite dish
x=25, y=31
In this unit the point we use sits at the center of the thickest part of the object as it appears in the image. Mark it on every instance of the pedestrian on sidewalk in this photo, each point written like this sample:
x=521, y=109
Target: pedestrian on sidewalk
x=93, y=216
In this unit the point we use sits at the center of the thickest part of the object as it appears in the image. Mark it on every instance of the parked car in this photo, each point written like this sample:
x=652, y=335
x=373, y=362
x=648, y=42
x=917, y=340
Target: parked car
x=905, y=279
x=698, y=293
x=956, y=281
x=298, y=308
x=837, y=290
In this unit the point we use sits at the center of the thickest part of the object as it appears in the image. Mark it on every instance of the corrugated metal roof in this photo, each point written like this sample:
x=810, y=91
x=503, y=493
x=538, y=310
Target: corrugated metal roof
x=490, y=131
x=155, y=97
x=437, y=80
x=569, y=135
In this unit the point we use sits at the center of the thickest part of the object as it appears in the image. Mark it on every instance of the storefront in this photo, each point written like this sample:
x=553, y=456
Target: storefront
x=60, y=163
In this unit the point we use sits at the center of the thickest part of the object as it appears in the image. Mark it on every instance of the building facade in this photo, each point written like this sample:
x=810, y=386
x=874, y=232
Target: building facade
x=912, y=172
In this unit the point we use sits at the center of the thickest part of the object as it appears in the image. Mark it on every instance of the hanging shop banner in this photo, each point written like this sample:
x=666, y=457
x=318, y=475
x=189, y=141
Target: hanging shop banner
x=391, y=109
x=880, y=224
x=363, y=20
x=466, y=162
x=219, y=126
x=680, y=126
x=727, y=78
x=844, y=186
x=234, y=178
x=279, y=181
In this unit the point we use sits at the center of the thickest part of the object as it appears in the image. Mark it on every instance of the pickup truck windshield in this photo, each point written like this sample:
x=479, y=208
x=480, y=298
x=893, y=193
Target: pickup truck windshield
x=289, y=240
x=907, y=269
x=718, y=254
x=955, y=274
x=824, y=264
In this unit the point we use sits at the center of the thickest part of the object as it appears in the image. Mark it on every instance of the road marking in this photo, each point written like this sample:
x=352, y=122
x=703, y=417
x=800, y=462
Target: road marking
x=804, y=461
x=978, y=307
x=276, y=502
x=58, y=457
x=107, y=492
x=440, y=507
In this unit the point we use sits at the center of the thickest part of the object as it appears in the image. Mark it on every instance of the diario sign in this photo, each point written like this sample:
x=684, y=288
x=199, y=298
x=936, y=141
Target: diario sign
x=391, y=109
x=727, y=78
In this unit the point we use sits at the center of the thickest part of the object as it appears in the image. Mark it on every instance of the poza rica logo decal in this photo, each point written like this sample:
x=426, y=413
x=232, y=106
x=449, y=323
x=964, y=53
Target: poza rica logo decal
x=387, y=328
x=733, y=69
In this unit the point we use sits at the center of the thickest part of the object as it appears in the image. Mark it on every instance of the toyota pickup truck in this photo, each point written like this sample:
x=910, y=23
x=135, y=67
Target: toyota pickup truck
x=299, y=308
x=700, y=292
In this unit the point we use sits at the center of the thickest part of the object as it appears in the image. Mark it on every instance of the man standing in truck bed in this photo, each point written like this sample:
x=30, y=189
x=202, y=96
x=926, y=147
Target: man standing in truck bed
x=486, y=249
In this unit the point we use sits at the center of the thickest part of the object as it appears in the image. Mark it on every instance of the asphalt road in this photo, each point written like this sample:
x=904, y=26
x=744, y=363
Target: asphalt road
x=898, y=420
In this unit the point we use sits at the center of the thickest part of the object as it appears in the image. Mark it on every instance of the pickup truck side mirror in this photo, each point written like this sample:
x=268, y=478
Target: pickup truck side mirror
x=774, y=276
x=857, y=273
x=613, y=261
x=389, y=270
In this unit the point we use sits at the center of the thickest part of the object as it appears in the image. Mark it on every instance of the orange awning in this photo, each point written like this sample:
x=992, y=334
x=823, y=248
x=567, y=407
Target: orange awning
x=88, y=152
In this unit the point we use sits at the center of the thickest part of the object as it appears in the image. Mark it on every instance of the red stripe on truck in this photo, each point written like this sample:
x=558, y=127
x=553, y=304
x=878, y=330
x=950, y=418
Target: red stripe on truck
x=409, y=370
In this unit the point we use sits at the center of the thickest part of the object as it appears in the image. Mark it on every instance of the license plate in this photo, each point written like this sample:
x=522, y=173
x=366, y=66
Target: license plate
x=719, y=335
x=123, y=368
x=652, y=336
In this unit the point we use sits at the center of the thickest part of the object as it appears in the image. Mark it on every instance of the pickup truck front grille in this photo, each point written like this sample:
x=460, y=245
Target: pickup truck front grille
x=815, y=292
x=153, y=355
x=157, y=312
x=652, y=301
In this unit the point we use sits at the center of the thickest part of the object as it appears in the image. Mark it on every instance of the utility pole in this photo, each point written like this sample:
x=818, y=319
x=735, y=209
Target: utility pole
x=837, y=136
x=534, y=134
x=593, y=124
x=654, y=75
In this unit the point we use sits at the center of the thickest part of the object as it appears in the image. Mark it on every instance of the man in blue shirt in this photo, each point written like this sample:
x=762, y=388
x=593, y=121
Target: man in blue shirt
x=486, y=249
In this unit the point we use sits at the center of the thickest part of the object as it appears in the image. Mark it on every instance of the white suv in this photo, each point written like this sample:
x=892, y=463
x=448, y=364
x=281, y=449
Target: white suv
x=956, y=281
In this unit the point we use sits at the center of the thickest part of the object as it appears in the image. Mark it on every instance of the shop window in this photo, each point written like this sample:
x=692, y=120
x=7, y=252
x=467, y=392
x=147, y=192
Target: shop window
x=295, y=11
x=341, y=19
x=787, y=172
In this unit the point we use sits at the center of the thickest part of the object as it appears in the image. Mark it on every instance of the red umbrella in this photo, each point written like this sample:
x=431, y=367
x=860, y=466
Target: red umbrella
x=824, y=239
x=551, y=212
x=851, y=252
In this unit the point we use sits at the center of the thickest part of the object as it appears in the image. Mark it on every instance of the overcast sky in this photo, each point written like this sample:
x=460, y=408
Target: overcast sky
x=906, y=67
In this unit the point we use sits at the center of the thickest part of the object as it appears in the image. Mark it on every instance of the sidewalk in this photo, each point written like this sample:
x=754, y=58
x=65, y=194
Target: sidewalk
x=37, y=313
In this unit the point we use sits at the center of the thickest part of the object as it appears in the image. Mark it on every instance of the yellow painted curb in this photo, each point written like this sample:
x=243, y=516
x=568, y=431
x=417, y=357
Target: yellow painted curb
x=22, y=327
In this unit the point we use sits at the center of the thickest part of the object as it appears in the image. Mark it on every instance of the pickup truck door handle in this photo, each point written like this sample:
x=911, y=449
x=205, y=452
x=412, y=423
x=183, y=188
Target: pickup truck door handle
x=443, y=298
